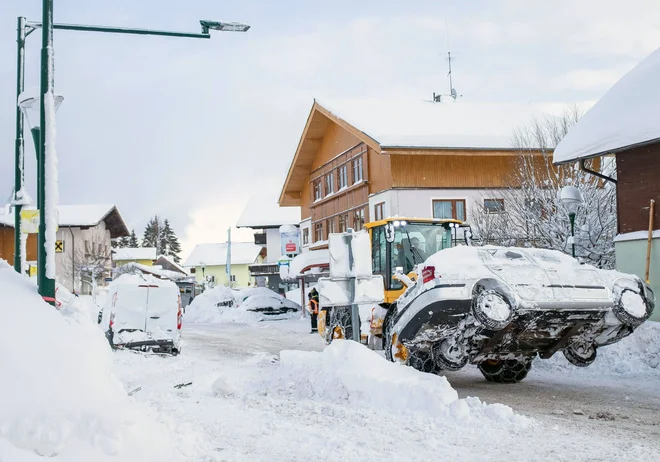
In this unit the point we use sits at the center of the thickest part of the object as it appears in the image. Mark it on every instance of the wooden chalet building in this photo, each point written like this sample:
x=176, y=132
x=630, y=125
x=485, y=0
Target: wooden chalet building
x=363, y=161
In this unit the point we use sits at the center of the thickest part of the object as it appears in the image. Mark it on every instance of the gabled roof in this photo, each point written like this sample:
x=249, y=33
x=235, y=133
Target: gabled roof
x=242, y=253
x=84, y=216
x=168, y=263
x=134, y=253
x=624, y=118
x=402, y=124
x=262, y=212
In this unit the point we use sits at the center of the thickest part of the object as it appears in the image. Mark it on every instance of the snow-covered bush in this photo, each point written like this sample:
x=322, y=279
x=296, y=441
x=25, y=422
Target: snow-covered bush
x=533, y=214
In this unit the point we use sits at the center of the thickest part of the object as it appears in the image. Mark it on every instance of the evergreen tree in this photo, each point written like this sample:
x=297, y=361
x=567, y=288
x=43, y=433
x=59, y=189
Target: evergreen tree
x=120, y=243
x=173, y=248
x=152, y=234
x=132, y=241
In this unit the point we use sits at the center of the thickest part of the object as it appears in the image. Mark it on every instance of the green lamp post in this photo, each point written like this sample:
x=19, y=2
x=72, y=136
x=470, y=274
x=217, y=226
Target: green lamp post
x=571, y=197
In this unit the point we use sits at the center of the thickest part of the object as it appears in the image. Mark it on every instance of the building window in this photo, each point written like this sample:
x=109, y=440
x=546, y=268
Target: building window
x=357, y=169
x=329, y=184
x=318, y=232
x=449, y=208
x=330, y=225
x=342, y=176
x=358, y=219
x=378, y=211
x=305, y=236
x=494, y=205
x=343, y=223
x=317, y=190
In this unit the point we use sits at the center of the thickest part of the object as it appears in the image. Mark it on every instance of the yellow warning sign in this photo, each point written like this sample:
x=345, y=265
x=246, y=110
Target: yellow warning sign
x=33, y=270
x=59, y=246
x=30, y=221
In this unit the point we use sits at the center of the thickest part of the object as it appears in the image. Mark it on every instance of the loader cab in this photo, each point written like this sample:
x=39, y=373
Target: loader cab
x=399, y=244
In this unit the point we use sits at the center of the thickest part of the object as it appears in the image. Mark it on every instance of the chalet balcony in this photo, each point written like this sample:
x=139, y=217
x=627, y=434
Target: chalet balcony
x=264, y=269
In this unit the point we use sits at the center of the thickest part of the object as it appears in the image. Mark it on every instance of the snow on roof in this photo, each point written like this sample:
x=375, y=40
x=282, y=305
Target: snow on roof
x=74, y=215
x=451, y=124
x=242, y=253
x=171, y=261
x=134, y=253
x=637, y=236
x=158, y=271
x=262, y=211
x=624, y=117
x=309, y=258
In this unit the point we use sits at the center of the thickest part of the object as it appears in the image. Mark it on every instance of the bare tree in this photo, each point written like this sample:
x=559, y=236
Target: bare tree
x=88, y=262
x=533, y=215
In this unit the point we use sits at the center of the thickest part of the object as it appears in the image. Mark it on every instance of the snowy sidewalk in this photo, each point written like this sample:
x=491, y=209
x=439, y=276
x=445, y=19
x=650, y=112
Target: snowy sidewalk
x=244, y=404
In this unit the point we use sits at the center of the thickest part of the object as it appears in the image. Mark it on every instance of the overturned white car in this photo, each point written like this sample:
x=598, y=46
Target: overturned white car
x=499, y=307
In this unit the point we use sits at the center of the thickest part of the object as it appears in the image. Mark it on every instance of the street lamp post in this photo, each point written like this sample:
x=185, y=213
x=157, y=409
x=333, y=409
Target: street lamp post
x=44, y=132
x=571, y=197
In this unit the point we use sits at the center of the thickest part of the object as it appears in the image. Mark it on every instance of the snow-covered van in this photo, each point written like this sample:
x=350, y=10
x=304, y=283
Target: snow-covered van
x=144, y=313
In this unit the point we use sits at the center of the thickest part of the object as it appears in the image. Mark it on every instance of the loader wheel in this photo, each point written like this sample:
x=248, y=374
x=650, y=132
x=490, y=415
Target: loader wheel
x=505, y=370
x=339, y=325
x=422, y=361
x=387, y=332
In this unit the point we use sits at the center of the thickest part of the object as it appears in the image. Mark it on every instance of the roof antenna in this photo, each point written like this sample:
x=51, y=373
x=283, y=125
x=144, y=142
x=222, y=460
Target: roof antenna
x=437, y=97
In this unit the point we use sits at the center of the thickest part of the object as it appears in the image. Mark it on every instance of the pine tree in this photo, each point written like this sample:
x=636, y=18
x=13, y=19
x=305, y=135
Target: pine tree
x=152, y=234
x=132, y=241
x=173, y=245
x=120, y=243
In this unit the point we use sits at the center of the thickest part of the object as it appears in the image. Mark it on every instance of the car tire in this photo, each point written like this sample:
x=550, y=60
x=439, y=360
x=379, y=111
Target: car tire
x=340, y=325
x=487, y=297
x=444, y=356
x=582, y=356
x=627, y=318
x=505, y=370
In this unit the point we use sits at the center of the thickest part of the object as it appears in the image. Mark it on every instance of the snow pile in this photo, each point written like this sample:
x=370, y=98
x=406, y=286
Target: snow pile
x=58, y=396
x=637, y=354
x=349, y=373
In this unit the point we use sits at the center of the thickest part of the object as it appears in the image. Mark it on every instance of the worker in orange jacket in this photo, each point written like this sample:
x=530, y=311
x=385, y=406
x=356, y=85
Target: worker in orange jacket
x=314, y=308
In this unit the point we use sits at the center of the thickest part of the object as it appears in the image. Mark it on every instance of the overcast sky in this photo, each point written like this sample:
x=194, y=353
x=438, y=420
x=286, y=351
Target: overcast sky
x=189, y=129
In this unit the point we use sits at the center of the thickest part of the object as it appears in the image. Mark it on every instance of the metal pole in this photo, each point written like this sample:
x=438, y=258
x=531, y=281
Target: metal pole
x=228, y=263
x=47, y=205
x=19, y=160
x=571, y=217
x=355, y=310
x=122, y=30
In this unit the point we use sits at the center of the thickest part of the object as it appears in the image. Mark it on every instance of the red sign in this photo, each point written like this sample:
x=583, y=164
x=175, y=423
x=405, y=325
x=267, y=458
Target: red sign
x=290, y=247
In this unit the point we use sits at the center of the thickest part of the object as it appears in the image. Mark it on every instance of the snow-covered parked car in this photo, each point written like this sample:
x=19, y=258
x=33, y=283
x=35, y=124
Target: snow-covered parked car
x=264, y=300
x=144, y=313
x=499, y=307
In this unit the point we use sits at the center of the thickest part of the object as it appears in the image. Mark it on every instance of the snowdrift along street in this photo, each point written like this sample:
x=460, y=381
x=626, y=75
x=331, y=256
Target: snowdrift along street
x=59, y=397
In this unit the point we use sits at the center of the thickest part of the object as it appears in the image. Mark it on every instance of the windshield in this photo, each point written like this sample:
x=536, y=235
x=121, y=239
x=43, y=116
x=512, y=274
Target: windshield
x=416, y=242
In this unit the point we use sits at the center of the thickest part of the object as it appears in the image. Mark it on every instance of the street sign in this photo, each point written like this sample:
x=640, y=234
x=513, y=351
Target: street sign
x=29, y=221
x=59, y=246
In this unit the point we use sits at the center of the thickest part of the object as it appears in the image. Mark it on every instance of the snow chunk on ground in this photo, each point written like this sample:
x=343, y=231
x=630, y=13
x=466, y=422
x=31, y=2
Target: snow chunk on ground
x=637, y=354
x=347, y=372
x=58, y=396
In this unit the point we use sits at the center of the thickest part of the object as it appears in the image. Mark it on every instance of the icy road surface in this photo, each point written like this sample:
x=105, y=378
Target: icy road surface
x=218, y=414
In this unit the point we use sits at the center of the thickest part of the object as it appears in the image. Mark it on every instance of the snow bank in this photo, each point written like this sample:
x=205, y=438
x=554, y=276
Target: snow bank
x=349, y=373
x=637, y=354
x=58, y=396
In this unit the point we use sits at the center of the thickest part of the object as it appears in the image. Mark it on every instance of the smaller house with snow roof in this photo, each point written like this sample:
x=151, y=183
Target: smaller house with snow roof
x=141, y=255
x=624, y=123
x=208, y=263
x=84, y=243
